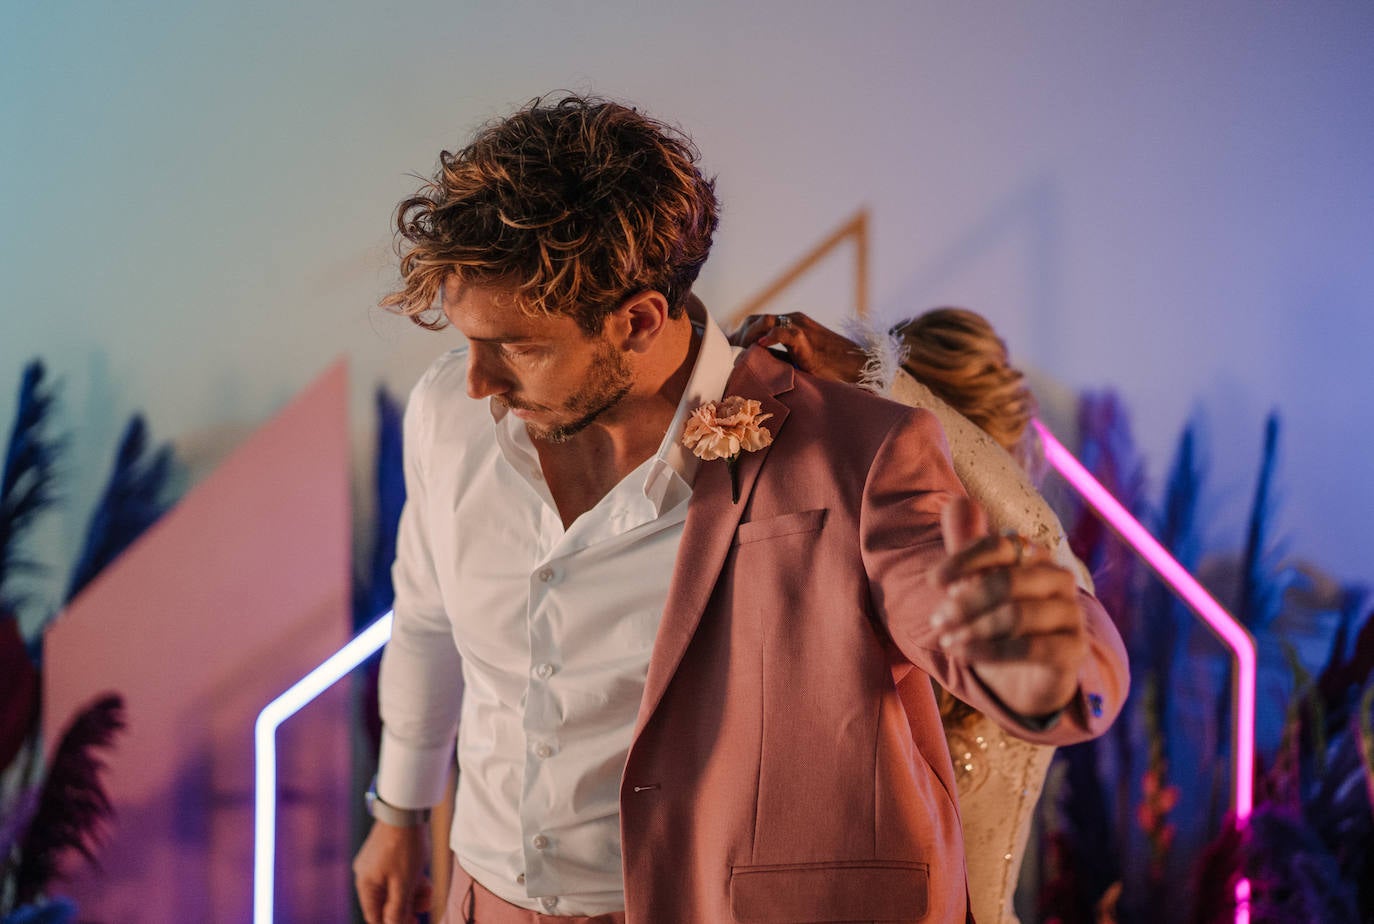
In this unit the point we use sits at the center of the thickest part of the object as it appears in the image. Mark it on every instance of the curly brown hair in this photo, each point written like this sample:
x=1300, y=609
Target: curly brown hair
x=576, y=204
x=957, y=354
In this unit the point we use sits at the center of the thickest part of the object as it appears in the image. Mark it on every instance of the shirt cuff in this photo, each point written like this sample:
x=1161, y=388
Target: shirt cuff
x=1039, y=723
x=1031, y=723
x=410, y=777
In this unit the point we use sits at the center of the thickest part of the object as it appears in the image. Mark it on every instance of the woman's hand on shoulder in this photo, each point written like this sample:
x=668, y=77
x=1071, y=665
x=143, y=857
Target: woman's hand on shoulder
x=814, y=348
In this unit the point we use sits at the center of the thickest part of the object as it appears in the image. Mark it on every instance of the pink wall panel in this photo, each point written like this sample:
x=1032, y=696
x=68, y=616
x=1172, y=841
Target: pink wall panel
x=231, y=597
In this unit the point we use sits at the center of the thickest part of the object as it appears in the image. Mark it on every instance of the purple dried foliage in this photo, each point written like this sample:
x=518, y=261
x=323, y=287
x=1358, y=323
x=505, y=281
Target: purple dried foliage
x=28, y=474
x=135, y=497
x=19, y=691
x=1294, y=878
x=73, y=803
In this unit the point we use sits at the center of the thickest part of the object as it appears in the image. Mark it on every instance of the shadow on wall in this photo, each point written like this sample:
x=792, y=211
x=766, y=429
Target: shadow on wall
x=1030, y=224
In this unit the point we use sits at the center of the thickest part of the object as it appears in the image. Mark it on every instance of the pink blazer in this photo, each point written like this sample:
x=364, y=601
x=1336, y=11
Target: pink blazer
x=788, y=763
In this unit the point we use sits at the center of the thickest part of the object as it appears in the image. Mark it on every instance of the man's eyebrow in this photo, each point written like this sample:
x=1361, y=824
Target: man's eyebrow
x=503, y=338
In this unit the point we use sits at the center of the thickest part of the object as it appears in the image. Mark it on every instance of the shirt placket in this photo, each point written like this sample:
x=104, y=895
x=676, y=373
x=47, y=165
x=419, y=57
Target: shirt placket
x=542, y=718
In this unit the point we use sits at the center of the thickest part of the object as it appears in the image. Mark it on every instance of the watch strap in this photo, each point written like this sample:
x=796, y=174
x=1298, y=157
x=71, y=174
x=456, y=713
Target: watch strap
x=384, y=811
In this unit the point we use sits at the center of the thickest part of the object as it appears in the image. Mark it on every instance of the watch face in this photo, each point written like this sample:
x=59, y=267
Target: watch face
x=370, y=798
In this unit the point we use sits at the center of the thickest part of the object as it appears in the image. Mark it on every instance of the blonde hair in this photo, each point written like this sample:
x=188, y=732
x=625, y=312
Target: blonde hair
x=957, y=354
x=576, y=205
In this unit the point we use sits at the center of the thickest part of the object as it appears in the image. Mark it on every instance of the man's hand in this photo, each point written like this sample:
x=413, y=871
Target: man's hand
x=388, y=874
x=814, y=347
x=1009, y=612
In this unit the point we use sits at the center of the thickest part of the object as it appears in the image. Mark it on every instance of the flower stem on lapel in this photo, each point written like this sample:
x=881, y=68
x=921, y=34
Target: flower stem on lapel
x=725, y=428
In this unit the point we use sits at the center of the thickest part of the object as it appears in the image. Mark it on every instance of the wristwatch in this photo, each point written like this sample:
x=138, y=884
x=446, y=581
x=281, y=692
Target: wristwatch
x=384, y=811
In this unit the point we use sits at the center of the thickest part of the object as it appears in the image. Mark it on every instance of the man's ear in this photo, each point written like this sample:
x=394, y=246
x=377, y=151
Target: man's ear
x=640, y=319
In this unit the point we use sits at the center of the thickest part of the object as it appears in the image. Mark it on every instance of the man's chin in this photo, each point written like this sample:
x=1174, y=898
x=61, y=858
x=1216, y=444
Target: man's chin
x=531, y=416
x=539, y=426
x=591, y=410
x=559, y=433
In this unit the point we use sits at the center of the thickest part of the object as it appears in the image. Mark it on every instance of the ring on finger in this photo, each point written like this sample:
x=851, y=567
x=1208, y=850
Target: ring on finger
x=783, y=320
x=1019, y=544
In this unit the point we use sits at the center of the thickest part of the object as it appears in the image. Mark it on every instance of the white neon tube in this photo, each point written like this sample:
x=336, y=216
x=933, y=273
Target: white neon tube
x=334, y=669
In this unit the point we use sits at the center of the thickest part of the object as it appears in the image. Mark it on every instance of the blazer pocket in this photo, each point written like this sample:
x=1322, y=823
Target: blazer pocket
x=803, y=521
x=857, y=890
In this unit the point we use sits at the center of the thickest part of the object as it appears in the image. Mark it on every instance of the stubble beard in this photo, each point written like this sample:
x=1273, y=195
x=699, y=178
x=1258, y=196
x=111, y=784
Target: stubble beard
x=608, y=382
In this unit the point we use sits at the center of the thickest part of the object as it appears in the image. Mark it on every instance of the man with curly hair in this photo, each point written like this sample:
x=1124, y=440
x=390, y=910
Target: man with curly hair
x=681, y=690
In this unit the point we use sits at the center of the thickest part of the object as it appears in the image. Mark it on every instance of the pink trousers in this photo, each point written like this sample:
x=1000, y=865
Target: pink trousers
x=470, y=903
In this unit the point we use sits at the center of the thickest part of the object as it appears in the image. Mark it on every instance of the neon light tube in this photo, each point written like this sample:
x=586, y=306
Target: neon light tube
x=332, y=670
x=1231, y=633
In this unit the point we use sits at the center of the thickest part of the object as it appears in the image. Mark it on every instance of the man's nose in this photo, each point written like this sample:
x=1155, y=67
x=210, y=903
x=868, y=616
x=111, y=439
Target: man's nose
x=483, y=381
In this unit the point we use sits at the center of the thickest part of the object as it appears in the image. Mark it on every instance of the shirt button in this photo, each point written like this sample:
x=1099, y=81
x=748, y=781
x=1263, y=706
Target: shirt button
x=546, y=575
x=539, y=841
x=549, y=902
x=543, y=751
x=520, y=880
x=543, y=671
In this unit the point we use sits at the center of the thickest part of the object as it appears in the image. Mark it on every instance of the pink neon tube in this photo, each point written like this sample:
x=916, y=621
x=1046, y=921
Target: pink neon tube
x=1231, y=633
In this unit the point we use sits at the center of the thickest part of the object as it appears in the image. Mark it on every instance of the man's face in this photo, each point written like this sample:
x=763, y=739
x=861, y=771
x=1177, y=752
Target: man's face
x=545, y=370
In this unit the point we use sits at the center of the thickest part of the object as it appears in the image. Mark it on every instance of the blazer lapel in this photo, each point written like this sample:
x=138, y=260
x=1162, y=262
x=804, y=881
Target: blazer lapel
x=710, y=528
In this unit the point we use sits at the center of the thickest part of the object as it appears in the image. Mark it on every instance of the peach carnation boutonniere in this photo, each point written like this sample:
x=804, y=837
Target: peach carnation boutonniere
x=725, y=428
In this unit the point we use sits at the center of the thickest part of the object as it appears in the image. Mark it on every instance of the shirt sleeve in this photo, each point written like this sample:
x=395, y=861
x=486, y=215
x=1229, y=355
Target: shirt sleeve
x=910, y=482
x=420, y=686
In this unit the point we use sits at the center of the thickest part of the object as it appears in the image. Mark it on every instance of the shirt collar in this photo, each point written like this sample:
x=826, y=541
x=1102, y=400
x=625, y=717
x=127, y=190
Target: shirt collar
x=711, y=373
x=669, y=474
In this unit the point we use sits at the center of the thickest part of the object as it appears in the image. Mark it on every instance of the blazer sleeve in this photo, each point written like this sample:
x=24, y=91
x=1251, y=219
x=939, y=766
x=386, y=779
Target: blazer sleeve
x=910, y=481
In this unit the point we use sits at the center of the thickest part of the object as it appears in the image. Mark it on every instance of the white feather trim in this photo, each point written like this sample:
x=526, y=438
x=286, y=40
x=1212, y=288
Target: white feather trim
x=886, y=353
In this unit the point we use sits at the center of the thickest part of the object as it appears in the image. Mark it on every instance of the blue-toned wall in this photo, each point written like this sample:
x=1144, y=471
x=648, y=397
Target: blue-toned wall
x=1172, y=199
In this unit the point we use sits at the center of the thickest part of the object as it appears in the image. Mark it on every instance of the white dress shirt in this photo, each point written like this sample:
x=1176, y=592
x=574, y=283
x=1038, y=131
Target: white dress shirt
x=539, y=636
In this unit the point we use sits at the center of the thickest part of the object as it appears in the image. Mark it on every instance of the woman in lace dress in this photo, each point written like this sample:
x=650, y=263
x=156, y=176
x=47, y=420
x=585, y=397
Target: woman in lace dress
x=951, y=362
